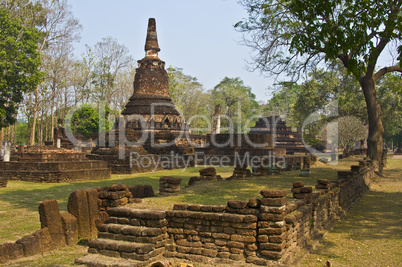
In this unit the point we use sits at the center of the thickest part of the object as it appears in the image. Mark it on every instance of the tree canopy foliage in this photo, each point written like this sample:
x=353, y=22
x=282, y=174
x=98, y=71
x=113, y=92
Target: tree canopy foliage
x=237, y=103
x=190, y=97
x=297, y=101
x=86, y=120
x=292, y=36
x=19, y=65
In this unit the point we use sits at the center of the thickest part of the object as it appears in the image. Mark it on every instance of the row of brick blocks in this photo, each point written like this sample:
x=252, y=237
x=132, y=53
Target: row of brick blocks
x=197, y=231
x=86, y=211
x=257, y=231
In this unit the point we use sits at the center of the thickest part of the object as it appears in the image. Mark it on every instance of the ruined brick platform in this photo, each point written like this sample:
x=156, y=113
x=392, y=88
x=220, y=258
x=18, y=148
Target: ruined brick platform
x=52, y=165
x=259, y=231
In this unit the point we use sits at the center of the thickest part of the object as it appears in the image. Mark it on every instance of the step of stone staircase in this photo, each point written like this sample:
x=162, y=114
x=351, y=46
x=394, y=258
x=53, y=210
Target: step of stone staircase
x=130, y=237
x=119, y=246
x=131, y=230
x=124, y=249
x=96, y=260
x=138, y=234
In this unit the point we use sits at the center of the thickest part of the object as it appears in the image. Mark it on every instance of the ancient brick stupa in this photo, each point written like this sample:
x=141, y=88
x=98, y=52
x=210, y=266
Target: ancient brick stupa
x=150, y=101
x=150, y=113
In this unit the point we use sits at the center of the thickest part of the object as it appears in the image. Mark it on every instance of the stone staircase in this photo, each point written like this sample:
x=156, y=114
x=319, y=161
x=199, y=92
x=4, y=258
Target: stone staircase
x=130, y=237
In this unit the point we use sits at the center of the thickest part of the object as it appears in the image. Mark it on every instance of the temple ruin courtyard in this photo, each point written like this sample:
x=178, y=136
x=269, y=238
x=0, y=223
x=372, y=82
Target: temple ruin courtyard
x=369, y=233
x=150, y=189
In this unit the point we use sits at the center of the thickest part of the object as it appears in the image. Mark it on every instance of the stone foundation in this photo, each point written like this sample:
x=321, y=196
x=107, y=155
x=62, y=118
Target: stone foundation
x=50, y=165
x=259, y=231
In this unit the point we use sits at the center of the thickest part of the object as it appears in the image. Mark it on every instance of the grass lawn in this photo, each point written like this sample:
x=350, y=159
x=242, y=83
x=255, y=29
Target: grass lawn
x=371, y=233
x=19, y=200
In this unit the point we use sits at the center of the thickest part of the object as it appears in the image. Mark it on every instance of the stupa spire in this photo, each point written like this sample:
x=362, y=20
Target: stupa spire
x=151, y=43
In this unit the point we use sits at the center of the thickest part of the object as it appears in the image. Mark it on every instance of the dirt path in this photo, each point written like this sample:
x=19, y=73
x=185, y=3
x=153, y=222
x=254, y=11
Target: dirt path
x=370, y=235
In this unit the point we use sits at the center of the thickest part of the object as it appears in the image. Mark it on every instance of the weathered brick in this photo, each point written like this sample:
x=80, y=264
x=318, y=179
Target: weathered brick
x=273, y=201
x=252, y=247
x=229, y=230
x=45, y=240
x=70, y=228
x=236, y=251
x=272, y=246
x=277, y=238
x=246, y=232
x=221, y=242
x=50, y=218
x=262, y=238
x=237, y=204
x=306, y=189
x=231, y=218
x=223, y=255
x=211, y=217
x=209, y=253
x=273, y=193
x=10, y=251
x=277, y=210
x=235, y=244
x=184, y=242
x=221, y=236
x=30, y=245
x=271, y=217
x=298, y=184
x=274, y=255
x=242, y=238
x=78, y=206
x=194, y=207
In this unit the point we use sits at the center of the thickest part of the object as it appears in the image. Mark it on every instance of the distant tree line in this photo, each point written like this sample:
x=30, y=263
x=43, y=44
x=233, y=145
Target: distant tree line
x=55, y=80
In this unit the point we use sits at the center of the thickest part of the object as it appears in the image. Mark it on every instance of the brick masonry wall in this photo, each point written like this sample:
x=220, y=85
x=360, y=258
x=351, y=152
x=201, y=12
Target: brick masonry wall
x=263, y=230
x=309, y=218
x=55, y=172
x=260, y=231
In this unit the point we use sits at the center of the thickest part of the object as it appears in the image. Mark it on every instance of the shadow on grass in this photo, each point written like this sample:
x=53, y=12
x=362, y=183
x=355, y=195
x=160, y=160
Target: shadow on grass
x=376, y=216
x=28, y=195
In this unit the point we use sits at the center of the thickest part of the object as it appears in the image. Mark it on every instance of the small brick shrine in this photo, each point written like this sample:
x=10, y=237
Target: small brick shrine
x=282, y=135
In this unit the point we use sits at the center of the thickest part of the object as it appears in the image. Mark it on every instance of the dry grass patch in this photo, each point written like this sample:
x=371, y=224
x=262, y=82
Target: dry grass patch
x=370, y=235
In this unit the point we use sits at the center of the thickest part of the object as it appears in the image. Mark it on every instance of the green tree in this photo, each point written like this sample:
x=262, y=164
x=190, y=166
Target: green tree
x=86, y=120
x=292, y=35
x=345, y=131
x=189, y=97
x=282, y=101
x=110, y=58
x=19, y=63
x=237, y=103
x=390, y=98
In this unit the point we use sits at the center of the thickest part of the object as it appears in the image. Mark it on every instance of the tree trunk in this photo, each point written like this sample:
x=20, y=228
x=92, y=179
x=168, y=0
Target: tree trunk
x=1, y=136
x=33, y=126
x=35, y=114
x=376, y=129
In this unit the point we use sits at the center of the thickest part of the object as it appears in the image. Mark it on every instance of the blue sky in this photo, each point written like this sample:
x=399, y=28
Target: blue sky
x=196, y=35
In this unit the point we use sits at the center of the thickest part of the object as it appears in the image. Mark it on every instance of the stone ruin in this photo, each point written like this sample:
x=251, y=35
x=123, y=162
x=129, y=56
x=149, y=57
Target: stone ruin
x=51, y=165
x=282, y=136
x=61, y=140
x=87, y=212
x=261, y=231
x=169, y=185
x=206, y=175
x=150, y=121
x=149, y=113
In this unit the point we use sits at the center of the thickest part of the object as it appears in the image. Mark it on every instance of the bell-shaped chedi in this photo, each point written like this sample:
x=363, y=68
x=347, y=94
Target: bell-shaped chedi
x=150, y=104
